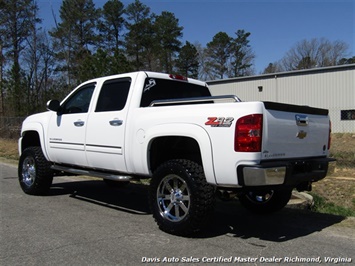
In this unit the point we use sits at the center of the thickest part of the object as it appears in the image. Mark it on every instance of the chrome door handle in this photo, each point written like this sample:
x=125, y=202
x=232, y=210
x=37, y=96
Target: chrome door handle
x=116, y=122
x=79, y=123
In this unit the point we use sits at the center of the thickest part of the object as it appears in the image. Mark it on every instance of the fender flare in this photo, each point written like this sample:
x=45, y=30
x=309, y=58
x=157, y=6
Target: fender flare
x=193, y=131
x=34, y=127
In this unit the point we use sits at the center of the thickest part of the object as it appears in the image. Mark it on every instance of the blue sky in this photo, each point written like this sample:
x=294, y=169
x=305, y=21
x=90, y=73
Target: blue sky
x=275, y=25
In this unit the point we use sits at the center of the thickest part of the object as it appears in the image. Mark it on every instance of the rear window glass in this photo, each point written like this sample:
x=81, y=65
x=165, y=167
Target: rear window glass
x=162, y=89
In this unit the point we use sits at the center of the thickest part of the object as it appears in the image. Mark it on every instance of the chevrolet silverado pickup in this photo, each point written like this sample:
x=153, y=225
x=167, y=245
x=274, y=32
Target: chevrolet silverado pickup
x=191, y=145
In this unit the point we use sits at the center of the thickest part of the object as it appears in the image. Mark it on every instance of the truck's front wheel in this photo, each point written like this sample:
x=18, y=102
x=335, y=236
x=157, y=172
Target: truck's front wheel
x=34, y=172
x=265, y=201
x=180, y=198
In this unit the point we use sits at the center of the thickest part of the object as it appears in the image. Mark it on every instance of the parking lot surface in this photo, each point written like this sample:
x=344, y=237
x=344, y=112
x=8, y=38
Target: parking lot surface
x=84, y=222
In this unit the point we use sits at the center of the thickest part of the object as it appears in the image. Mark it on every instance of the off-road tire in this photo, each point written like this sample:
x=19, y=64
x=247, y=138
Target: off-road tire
x=265, y=201
x=180, y=198
x=34, y=172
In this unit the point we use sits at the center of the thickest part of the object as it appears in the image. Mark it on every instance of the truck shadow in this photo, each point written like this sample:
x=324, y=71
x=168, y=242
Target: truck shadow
x=234, y=220
x=229, y=218
x=131, y=198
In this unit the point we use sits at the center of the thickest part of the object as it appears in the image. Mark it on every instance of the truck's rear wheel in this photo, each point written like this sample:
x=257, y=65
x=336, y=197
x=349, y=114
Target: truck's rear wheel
x=265, y=201
x=180, y=198
x=34, y=172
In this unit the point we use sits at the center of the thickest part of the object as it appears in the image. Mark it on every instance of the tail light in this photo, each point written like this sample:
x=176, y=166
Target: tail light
x=248, y=133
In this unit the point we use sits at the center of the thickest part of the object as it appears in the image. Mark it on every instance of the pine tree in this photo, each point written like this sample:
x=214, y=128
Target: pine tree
x=111, y=28
x=140, y=36
x=187, y=62
x=168, y=32
x=17, y=19
x=75, y=36
x=218, y=52
x=111, y=25
x=241, y=55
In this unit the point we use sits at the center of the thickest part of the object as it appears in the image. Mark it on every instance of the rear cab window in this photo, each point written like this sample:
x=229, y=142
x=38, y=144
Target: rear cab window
x=163, y=89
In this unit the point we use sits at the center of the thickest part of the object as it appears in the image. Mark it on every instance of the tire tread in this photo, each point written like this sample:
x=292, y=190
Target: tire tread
x=44, y=173
x=202, y=198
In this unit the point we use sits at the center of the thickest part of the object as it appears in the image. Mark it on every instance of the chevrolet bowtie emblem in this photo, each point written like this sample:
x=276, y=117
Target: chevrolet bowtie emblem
x=301, y=134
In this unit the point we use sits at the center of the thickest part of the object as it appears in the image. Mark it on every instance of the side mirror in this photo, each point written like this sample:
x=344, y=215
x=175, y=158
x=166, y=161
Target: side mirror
x=53, y=105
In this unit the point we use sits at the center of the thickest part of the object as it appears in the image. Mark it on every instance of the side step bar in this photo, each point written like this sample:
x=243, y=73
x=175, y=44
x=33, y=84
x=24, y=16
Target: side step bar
x=76, y=171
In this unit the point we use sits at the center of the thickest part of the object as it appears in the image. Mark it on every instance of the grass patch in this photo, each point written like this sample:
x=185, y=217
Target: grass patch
x=342, y=149
x=321, y=205
x=8, y=149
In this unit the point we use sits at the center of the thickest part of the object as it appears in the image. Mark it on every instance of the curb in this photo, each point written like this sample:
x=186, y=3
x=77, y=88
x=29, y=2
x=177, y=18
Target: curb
x=300, y=200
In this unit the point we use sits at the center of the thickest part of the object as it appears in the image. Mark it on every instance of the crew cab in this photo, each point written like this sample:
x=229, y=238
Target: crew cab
x=168, y=128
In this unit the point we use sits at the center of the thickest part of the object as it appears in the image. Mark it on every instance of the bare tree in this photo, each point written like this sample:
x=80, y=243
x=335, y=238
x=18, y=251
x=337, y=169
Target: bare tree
x=204, y=71
x=39, y=64
x=314, y=53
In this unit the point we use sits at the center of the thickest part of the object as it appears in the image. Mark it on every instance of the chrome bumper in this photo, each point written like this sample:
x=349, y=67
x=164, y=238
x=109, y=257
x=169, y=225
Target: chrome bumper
x=254, y=176
x=283, y=173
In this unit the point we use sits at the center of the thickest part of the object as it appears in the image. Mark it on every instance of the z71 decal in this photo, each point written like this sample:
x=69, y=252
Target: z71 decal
x=219, y=121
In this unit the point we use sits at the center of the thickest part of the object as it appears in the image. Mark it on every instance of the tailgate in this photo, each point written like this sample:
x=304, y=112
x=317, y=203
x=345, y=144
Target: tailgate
x=293, y=131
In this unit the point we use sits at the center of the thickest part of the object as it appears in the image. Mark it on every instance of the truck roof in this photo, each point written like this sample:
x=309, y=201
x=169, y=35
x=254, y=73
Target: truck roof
x=151, y=74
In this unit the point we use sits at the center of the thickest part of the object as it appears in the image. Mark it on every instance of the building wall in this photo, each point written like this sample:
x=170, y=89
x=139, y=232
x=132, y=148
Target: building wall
x=331, y=88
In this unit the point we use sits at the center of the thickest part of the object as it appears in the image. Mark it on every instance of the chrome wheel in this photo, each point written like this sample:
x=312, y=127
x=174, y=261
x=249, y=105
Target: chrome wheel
x=28, y=171
x=34, y=171
x=180, y=198
x=173, y=198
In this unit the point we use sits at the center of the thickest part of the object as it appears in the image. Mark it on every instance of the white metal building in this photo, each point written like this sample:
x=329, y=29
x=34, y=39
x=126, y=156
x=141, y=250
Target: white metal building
x=331, y=88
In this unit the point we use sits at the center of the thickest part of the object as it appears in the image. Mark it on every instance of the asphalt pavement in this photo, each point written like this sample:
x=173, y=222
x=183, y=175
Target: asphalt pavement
x=84, y=222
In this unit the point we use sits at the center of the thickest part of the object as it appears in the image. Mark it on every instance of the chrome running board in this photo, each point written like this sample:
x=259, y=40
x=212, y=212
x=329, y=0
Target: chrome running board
x=76, y=171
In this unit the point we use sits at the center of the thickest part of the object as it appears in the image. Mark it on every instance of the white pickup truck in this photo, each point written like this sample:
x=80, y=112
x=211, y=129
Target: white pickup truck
x=191, y=144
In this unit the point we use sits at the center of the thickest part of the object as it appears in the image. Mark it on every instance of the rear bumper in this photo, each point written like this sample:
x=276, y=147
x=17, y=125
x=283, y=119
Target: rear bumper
x=290, y=173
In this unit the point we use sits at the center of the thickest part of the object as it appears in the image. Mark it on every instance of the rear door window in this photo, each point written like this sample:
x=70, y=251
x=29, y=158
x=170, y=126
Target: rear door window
x=113, y=95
